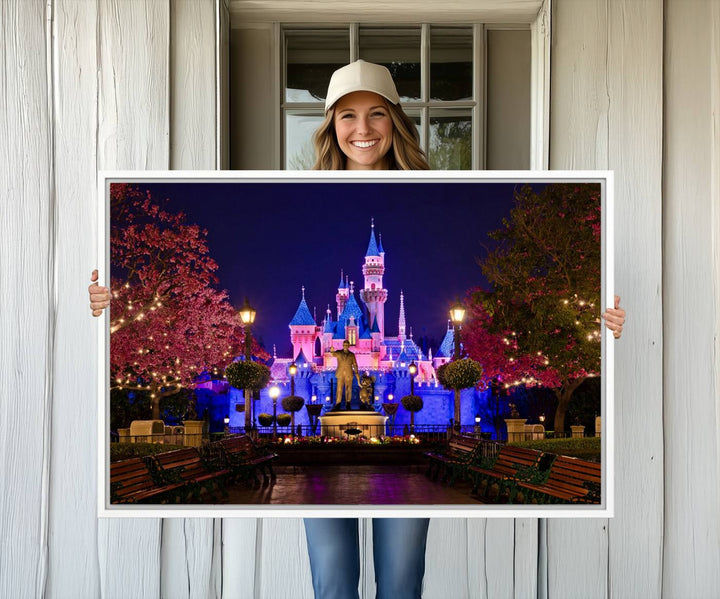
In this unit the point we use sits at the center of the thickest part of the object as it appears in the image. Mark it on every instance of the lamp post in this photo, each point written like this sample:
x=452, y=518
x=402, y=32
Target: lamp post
x=457, y=314
x=412, y=369
x=292, y=369
x=477, y=425
x=274, y=394
x=226, y=420
x=247, y=315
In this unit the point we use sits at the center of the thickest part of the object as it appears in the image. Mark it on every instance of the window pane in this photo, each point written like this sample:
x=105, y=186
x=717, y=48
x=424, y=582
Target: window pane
x=450, y=139
x=311, y=58
x=398, y=50
x=299, y=149
x=451, y=55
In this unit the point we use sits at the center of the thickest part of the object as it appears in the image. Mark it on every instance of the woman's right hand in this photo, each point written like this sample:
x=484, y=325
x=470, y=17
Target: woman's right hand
x=99, y=296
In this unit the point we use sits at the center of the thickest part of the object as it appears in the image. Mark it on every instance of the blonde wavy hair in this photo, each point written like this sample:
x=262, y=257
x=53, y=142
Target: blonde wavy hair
x=405, y=153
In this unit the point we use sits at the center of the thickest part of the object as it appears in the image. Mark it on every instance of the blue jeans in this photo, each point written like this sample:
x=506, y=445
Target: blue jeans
x=398, y=552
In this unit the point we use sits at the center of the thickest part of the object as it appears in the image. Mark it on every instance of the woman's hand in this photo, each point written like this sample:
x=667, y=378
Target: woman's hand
x=615, y=318
x=99, y=296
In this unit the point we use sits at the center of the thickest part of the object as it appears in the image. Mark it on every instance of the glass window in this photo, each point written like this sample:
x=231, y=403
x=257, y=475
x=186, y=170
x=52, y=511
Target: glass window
x=310, y=59
x=299, y=149
x=436, y=73
x=451, y=63
x=450, y=139
x=399, y=51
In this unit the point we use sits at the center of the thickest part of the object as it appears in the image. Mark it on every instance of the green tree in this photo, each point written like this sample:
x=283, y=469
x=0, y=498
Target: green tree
x=545, y=272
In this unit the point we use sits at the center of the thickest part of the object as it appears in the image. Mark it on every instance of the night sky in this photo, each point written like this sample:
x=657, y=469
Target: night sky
x=269, y=239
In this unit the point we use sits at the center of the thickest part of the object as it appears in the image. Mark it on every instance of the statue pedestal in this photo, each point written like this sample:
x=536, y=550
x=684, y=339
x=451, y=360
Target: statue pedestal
x=334, y=424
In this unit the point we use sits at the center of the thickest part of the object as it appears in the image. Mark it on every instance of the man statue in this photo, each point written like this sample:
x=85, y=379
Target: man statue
x=346, y=368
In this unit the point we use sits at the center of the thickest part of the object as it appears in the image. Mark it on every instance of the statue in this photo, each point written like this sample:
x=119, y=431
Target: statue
x=367, y=383
x=346, y=368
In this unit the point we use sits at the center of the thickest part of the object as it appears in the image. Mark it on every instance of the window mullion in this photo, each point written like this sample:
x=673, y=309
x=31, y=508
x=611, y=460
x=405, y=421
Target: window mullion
x=425, y=86
x=479, y=85
x=354, y=41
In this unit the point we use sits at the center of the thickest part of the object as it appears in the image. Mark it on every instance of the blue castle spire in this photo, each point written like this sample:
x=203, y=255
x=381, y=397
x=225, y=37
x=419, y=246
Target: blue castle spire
x=372, y=249
x=302, y=316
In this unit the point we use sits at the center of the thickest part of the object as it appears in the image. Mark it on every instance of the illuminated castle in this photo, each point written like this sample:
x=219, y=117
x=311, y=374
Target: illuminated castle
x=362, y=326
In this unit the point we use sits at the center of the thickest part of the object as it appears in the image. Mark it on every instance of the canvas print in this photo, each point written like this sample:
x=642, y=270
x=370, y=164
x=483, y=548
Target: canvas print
x=314, y=341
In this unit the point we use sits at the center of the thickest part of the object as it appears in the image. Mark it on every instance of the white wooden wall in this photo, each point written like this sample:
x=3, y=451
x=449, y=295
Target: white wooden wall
x=133, y=85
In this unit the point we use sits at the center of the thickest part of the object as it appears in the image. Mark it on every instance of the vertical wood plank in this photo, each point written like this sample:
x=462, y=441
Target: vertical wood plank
x=576, y=558
x=282, y=569
x=72, y=544
x=446, y=559
x=635, y=89
x=193, y=85
x=27, y=312
x=133, y=124
x=525, y=558
x=189, y=566
x=239, y=558
x=607, y=113
x=691, y=317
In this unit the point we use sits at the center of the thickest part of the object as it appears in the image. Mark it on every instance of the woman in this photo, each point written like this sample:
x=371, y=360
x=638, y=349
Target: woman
x=365, y=129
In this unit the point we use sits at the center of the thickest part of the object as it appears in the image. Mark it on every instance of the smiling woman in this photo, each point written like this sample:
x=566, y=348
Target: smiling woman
x=365, y=127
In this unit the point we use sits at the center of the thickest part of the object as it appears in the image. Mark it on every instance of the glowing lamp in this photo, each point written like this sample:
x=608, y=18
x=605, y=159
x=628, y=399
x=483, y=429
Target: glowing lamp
x=391, y=397
x=477, y=419
x=274, y=392
x=412, y=369
x=292, y=369
x=226, y=420
x=247, y=314
x=457, y=313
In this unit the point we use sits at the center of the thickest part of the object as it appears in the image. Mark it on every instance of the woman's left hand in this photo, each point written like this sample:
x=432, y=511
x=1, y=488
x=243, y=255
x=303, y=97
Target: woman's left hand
x=615, y=318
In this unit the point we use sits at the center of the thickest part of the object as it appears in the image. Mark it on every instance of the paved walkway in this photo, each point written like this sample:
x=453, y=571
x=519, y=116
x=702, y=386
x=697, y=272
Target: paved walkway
x=352, y=485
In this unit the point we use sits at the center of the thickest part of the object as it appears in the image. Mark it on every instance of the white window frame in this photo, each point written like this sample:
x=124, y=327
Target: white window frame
x=276, y=11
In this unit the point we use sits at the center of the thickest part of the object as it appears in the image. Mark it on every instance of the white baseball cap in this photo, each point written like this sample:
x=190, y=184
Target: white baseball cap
x=361, y=76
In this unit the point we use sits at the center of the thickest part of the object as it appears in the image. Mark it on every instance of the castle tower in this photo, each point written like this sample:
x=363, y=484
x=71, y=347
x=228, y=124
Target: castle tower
x=373, y=294
x=303, y=329
x=342, y=295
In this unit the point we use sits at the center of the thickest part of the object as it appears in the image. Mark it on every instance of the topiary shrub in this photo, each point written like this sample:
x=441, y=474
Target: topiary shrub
x=265, y=419
x=460, y=374
x=283, y=419
x=247, y=375
x=412, y=403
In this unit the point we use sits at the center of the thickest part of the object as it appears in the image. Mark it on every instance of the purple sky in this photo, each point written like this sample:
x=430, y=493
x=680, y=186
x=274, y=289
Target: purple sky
x=269, y=239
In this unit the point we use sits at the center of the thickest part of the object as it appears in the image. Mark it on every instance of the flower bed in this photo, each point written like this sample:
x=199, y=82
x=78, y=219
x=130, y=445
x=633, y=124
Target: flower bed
x=318, y=451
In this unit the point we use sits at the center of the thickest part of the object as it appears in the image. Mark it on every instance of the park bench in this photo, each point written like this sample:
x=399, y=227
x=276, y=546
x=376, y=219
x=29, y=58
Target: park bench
x=244, y=459
x=454, y=458
x=187, y=466
x=512, y=465
x=131, y=481
x=570, y=480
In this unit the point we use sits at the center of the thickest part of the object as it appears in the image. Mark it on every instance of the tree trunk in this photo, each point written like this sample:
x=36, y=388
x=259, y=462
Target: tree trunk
x=248, y=404
x=155, y=402
x=564, y=395
x=457, y=408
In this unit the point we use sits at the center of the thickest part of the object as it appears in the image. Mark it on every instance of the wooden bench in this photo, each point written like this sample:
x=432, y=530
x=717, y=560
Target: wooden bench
x=454, y=458
x=570, y=480
x=187, y=466
x=512, y=465
x=245, y=459
x=131, y=481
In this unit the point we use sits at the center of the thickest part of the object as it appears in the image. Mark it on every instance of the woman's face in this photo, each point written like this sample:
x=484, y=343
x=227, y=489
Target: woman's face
x=364, y=130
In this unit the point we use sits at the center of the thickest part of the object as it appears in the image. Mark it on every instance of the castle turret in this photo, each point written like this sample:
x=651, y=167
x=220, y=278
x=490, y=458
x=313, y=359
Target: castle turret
x=373, y=294
x=342, y=295
x=303, y=329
